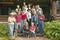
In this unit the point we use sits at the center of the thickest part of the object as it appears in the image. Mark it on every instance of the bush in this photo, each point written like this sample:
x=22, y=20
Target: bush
x=52, y=30
x=4, y=29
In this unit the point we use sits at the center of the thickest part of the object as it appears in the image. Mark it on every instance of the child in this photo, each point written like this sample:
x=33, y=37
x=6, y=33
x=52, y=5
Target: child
x=32, y=30
x=25, y=28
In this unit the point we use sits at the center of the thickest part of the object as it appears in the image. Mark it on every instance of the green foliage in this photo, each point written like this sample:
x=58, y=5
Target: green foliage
x=5, y=38
x=52, y=30
x=4, y=29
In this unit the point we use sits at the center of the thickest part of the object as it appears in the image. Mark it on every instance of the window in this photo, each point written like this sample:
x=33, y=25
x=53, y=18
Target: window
x=58, y=7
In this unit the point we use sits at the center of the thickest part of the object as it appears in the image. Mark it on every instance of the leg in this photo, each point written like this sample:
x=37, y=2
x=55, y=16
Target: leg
x=20, y=28
x=11, y=28
x=41, y=26
x=16, y=29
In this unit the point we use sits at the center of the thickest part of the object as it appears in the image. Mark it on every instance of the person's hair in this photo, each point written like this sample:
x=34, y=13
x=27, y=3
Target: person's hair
x=29, y=10
x=12, y=10
x=26, y=23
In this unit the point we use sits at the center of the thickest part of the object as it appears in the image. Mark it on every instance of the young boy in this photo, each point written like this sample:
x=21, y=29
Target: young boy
x=32, y=30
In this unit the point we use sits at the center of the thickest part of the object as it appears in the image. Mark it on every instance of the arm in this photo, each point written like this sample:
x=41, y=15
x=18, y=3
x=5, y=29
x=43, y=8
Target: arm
x=32, y=18
x=9, y=20
x=14, y=20
x=37, y=19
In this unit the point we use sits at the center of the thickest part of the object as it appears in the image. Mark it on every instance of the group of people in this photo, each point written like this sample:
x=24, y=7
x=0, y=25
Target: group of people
x=26, y=19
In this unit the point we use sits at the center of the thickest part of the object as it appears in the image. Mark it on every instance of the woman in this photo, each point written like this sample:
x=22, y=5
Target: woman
x=11, y=21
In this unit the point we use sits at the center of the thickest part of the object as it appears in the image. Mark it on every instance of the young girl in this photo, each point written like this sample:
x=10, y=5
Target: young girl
x=32, y=30
x=11, y=21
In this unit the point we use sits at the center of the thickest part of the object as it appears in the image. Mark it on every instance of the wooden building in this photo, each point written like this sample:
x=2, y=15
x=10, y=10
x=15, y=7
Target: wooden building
x=49, y=7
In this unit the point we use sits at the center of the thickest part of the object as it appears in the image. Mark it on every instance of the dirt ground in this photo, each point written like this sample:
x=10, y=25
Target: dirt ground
x=36, y=38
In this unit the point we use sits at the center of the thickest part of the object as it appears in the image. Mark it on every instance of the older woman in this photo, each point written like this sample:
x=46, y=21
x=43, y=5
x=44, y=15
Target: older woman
x=11, y=21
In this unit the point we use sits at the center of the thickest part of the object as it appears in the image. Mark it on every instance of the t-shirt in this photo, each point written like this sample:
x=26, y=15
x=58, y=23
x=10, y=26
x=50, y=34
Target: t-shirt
x=18, y=18
x=24, y=16
x=41, y=17
x=28, y=15
x=32, y=28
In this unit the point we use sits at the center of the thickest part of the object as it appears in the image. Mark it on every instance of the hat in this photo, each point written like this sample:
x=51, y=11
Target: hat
x=11, y=13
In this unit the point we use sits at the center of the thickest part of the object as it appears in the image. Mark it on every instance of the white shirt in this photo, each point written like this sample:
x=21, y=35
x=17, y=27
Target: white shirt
x=28, y=15
x=11, y=20
x=40, y=11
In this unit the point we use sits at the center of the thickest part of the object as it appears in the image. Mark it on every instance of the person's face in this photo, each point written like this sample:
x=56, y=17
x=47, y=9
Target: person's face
x=33, y=7
x=29, y=5
x=11, y=15
x=18, y=6
x=26, y=23
x=32, y=24
x=34, y=12
x=38, y=6
x=24, y=3
x=19, y=12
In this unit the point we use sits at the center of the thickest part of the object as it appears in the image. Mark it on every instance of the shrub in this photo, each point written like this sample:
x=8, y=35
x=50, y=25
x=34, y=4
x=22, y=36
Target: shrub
x=4, y=29
x=52, y=30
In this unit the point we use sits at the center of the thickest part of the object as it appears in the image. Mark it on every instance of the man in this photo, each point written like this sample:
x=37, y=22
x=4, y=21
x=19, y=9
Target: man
x=41, y=19
x=18, y=21
x=34, y=18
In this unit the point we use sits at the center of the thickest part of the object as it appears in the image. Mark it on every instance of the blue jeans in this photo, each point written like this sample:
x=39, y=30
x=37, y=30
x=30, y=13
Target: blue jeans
x=32, y=34
x=23, y=21
x=11, y=29
x=14, y=24
x=41, y=27
x=24, y=32
x=35, y=20
x=18, y=27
